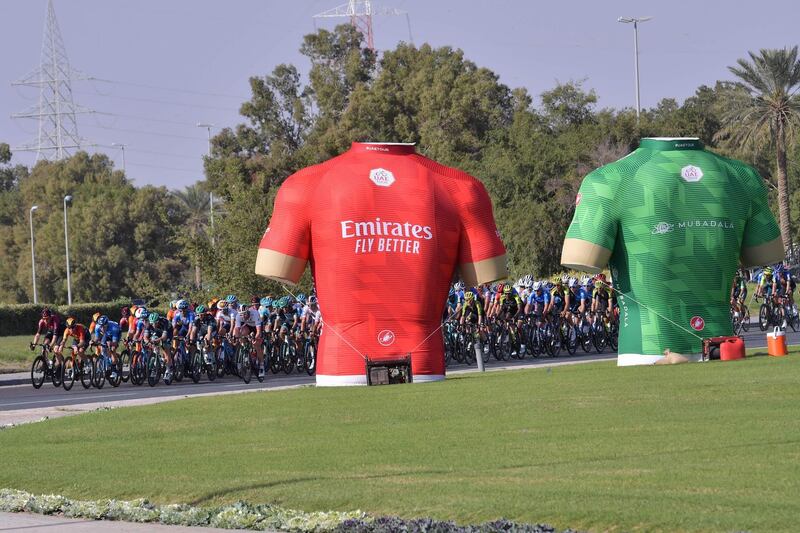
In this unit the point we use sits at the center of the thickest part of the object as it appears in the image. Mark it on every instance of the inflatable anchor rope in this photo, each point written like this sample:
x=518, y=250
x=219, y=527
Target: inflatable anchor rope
x=690, y=332
x=364, y=357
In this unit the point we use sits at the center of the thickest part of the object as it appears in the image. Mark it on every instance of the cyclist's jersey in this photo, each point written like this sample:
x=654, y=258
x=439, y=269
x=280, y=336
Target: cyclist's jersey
x=161, y=327
x=577, y=297
x=78, y=331
x=250, y=318
x=675, y=219
x=227, y=316
x=557, y=297
x=739, y=287
x=602, y=296
x=111, y=332
x=509, y=303
x=49, y=325
x=765, y=279
x=537, y=300
x=285, y=317
x=182, y=317
x=310, y=314
x=385, y=229
x=472, y=310
x=205, y=323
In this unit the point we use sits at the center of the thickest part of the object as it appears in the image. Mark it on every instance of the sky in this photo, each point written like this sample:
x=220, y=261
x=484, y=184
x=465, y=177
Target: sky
x=168, y=64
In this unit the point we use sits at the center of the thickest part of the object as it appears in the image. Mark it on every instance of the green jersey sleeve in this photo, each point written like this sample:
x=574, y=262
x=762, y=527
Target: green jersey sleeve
x=760, y=226
x=596, y=217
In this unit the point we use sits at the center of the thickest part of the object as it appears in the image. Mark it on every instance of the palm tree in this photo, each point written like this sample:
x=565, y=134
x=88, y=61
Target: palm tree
x=765, y=110
x=196, y=202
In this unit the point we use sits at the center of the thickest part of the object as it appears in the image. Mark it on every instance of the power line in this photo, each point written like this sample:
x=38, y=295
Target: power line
x=142, y=132
x=195, y=172
x=173, y=89
x=146, y=119
x=196, y=157
x=155, y=101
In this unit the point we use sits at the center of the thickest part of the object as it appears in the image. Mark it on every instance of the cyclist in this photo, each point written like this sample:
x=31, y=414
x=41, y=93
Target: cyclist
x=311, y=316
x=94, y=322
x=557, y=298
x=159, y=332
x=738, y=293
x=204, y=327
x=472, y=312
x=601, y=300
x=182, y=320
x=248, y=320
x=578, y=300
x=766, y=283
x=50, y=326
x=80, y=336
x=107, y=331
x=225, y=318
x=125, y=314
x=285, y=317
x=538, y=302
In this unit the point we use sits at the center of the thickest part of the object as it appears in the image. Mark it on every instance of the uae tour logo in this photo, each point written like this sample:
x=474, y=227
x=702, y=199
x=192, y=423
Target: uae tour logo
x=691, y=173
x=697, y=323
x=381, y=177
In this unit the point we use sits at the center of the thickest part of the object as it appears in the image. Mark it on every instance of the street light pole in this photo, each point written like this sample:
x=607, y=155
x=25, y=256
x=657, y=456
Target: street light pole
x=210, y=194
x=635, y=21
x=33, y=255
x=121, y=147
x=67, y=199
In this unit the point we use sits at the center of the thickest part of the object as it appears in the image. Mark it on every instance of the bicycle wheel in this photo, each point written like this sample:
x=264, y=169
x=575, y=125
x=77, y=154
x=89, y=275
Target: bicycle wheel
x=55, y=372
x=288, y=358
x=137, y=368
x=310, y=359
x=38, y=371
x=599, y=336
x=746, y=319
x=244, y=367
x=763, y=317
x=99, y=378
x=124, y=365
x=177, y=365
x=153, y=370
x=570, y=338
x=87, y=372
x=197, y=366
x=210, y=363
x=585, y=336
x=68, y=373
x=221, y=362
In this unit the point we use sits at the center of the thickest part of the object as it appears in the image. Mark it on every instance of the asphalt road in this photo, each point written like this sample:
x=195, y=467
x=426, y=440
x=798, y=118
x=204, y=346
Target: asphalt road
x=17, y=393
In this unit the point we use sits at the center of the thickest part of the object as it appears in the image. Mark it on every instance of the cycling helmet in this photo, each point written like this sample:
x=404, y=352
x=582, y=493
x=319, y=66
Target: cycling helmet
x=507, y=289
x=768, y=271
x=153, y=317
x=468, y=296
x=779, y=268
x=301, y=298
x=459, y=285
x=200, y=309
x=266, y=301
x=537, y=285
x=222, y=304
x=527, y=281
x=601, y=277
x=500, y=287
x=285, y=301
x=95, y=317
x=556, y=280
x=182, y=304
x=102, y=321
x=571, y=282
x=173, y=304
x=244, y=308
x=70, y=321
x=231, y=299
x=46, y=312
x=312, y=300
x=263, y=312
x=141, y=312
x=564, y=279
x=585, y=280
x=253, y=300
x=125, y=312
x=212, y=303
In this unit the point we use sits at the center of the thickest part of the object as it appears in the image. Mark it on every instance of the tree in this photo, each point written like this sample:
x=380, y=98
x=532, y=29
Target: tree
x=195, y=204
x=766, y=111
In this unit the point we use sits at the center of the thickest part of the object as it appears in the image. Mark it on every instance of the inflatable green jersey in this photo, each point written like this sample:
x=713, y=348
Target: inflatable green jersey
x=672, y=220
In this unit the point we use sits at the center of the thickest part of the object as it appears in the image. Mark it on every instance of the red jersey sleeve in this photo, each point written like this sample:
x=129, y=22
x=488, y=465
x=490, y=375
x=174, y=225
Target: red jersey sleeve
x=289, y=230
x=480, y=239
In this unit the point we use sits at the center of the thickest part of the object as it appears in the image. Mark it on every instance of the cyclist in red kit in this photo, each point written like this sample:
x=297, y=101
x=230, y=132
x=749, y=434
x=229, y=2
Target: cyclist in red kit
x=385, y=230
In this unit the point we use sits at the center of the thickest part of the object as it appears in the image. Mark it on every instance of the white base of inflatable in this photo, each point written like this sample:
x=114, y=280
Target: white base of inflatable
x=634, y=359
x=361, y=379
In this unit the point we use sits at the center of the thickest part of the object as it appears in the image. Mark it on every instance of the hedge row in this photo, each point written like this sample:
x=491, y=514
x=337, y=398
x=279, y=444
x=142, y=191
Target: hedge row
x=21, y=319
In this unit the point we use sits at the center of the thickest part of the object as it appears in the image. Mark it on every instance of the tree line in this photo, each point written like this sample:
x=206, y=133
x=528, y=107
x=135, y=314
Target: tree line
x=531, y=153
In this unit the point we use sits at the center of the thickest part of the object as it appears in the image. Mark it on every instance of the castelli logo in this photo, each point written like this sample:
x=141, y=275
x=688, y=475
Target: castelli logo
x=691, y=173
x=697, y=323
x=578, y=199
x=381, y=177
x=386, y=337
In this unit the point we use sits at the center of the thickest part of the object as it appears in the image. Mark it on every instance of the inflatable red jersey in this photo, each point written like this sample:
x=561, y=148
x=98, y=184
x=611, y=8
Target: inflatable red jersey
x=384, y=229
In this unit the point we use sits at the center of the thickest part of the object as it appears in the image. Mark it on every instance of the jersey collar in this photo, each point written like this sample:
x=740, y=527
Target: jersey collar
x=383, y=148
x=663, y=144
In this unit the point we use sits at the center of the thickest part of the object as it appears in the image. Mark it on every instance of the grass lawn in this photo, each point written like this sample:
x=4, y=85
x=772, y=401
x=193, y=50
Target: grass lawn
x=14, y=353
x=712, y=447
